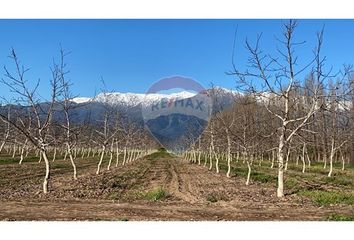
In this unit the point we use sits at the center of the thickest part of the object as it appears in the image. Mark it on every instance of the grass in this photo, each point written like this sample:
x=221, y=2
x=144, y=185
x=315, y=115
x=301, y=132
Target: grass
x=323, y=198
x=339, y=180
x=16, y=160
x=292, y=183
x=263, y=177
x=211, y=198
x=156, y=194
x=256, y=174
x=313, y=184
x=337, y=217
x=114, y=196
x=161, y=153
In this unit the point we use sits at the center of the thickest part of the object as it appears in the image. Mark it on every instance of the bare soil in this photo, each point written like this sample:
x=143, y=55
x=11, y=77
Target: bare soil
x=193, y=193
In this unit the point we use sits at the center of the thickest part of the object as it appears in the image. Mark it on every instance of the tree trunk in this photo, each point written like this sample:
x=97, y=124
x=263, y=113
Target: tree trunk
x=71, y=159
x=14, y=151
x=273, y=159
x=199, y=152
x=249, y=172
x=331, y=158
x=217, y=163
x=40, y=158
x=101, y=159
x=210, y=158
x=261, y=160
x=280, y=190
x=228, y=153
x=2, y=146
x=65, y=155
x=47, y=171
x=110, y=156
x=303, y=158
x=54, y=154
x=110, y=160
x=287, y=158
x=199, y=156
x=124, y=156
x=23, y=151
x=117, y=155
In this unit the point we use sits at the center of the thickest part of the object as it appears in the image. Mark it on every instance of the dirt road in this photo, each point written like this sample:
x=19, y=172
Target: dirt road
x=193, y=193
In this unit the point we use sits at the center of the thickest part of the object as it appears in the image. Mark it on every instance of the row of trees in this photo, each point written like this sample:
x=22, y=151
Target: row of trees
x=280, y=116
x=31, y=124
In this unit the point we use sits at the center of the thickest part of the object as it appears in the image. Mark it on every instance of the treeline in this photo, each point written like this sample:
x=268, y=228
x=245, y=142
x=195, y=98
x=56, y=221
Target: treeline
x=32, y=125
x=280, y=117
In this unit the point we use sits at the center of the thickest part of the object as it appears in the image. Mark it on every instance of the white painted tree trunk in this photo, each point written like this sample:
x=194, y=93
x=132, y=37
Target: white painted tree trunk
x=261, y=160
x=40, y=158
x=331, y=157
x=280, y=190
x=303, y=158
x=287, y=159
x=130, y=155
x=2, y=146
x=110, y=161
x=117, y=155
x=273, y=159
x=199, y=156
x=194, y=156
x=47, y=171
x=210, y=158
x=73, y=165
x=217, y=163
x=54, y=154
x=101, y=159
x=308, y=157
x=71, y=160
x=23, y=151
x=75, y=152
x=228, y=154
x=199, y=151
x=249, y=172
x=65, y=155
x=88, y=152
x=110, y=156
x=14, y=151
x=27, y=151
x=124, y=155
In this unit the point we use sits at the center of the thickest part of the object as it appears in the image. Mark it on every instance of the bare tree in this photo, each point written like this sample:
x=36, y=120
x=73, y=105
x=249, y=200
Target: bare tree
x=279, y=77
x=6, y=129
x=67, y=105
x=41, y=110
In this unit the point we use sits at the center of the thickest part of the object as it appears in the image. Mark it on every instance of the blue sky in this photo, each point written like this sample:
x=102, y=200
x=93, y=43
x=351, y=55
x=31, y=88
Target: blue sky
x=132, y=54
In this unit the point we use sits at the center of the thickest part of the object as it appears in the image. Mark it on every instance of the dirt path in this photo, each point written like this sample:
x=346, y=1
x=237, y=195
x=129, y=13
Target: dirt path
x=194, y=193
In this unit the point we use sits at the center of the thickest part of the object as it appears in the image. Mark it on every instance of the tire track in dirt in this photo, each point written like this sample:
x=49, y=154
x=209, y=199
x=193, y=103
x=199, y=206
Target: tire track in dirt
x=188, y=184
x=179, y=186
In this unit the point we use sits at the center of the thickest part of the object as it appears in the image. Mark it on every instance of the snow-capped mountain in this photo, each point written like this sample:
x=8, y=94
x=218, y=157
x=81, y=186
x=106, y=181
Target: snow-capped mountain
x=134, y=99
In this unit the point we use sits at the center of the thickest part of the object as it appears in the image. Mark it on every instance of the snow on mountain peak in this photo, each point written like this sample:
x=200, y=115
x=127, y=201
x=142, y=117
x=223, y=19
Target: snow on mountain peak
x=81, y=99
x=133, y=99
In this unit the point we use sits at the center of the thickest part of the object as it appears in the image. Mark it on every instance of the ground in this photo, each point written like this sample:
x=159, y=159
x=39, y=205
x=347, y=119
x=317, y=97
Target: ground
x=163, y=187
